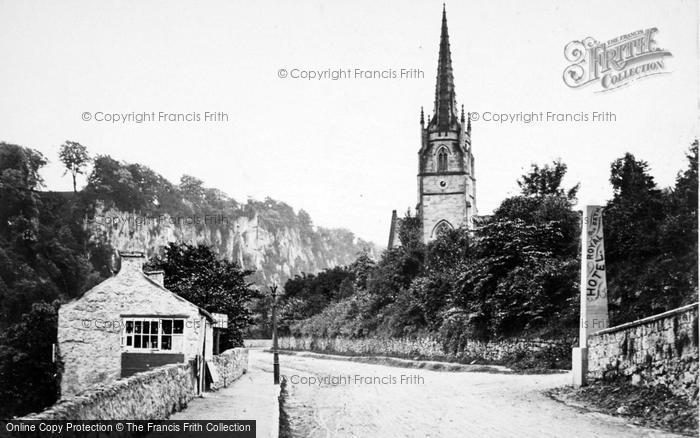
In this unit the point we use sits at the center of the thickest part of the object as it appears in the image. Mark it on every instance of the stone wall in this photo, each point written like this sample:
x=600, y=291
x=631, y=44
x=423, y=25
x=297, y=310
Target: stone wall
x=504, y=351
x=231, y=365
x=151, y=395
x=662, y=349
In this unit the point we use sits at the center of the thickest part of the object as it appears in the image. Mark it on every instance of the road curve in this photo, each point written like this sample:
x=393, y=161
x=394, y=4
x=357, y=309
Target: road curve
x=365, y=400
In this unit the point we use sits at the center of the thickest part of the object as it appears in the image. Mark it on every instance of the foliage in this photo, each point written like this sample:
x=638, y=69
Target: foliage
x=547, y=181
x=517, y=274
x=75, y=158
x=307, y=294
x=19, y=199
x=132, y=188
x=651, y=240
x=192, y=190
x=196, y=274
x=45, y=256
x=27, y=372
x=47, y=253
x=515, y=281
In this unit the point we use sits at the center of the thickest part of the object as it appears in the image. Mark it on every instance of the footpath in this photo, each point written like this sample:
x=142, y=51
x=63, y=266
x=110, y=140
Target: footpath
x=252, y=397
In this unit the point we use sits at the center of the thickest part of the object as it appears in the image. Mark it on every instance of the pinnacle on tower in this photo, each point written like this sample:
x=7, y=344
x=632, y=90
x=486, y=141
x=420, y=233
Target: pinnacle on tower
x=445, y=104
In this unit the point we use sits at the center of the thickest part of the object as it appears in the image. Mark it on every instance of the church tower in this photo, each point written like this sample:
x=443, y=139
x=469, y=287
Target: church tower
x=446, y=182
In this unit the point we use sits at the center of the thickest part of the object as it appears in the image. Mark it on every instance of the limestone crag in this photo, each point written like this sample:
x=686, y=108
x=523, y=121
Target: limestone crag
x=276, y=251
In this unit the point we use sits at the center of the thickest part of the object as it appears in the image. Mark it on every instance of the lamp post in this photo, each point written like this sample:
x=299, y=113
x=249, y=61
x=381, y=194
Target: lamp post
x=275, y=355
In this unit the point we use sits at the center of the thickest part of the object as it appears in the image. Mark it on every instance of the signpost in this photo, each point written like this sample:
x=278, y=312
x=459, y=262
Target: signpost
x=594, y=289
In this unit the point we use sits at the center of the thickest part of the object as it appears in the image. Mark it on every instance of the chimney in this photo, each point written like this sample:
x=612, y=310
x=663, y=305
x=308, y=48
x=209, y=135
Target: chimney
x=392, y=230
x=131, y=261
x=157, y=277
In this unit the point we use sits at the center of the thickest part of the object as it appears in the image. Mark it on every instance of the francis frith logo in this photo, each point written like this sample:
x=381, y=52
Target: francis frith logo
x=616, y=62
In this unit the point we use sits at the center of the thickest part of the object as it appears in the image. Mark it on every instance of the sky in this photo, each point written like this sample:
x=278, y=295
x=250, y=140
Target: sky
x=344, y=150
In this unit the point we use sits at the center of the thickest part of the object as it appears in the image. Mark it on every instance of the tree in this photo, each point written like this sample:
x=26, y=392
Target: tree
x=27, y=371
x=546, y=180
x=217, y=285
x=131, y=188
x=75, y=158
x=316, y=291
x=43, y=259
x=410, y=231
x=520, y=274
x=19, y=198
x=192, y=189
x=651, y=240
x=686, y=190
x=515, y=281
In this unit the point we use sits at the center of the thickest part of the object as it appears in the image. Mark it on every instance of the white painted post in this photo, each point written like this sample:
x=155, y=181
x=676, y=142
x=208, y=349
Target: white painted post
x=594, y=289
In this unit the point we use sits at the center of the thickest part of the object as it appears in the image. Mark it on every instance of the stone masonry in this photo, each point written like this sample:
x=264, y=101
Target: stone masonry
x=231, y=364
x=89, y=328
x=446, y=182
x=661, y=349
x=150, y=395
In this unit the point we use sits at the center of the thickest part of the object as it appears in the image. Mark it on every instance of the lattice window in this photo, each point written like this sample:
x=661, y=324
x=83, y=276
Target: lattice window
x=159, y=334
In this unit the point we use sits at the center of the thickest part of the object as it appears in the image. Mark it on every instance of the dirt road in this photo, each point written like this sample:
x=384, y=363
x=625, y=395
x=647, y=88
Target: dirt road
x=333, y=398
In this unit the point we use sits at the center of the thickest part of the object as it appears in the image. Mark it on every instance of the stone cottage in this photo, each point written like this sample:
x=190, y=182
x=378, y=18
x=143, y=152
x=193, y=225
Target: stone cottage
x=127, y=324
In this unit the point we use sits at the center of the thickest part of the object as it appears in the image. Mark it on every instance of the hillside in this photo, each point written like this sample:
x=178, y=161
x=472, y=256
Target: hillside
x=132, y=206
x=275, y=246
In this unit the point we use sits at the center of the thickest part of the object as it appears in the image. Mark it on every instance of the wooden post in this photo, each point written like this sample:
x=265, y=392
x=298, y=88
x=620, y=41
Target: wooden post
x=275, y=355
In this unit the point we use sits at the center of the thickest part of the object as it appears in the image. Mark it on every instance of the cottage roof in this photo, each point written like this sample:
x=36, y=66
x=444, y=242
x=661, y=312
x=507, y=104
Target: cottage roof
x=131, y=264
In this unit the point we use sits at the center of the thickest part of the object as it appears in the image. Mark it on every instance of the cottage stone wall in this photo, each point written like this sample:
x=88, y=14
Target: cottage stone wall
x=231, y=365
x=662, y=349
x=89, y=328
x=151, y=395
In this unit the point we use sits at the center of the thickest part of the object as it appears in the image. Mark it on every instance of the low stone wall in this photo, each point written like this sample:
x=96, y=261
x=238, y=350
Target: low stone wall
x=231, y=364
x=257, y=343
x=508, y=350
x=662, y=349
x=151, y=395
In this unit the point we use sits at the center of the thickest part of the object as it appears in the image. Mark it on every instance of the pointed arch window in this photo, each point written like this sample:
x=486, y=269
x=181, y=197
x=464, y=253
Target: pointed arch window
x=442, y=227
x=442, y=160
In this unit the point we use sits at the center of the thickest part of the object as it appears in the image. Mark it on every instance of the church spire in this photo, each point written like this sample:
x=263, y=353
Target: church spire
x=445, y=105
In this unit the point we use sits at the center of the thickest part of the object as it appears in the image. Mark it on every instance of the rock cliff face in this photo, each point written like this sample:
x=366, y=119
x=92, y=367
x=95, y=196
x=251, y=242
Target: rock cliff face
x=276, y=249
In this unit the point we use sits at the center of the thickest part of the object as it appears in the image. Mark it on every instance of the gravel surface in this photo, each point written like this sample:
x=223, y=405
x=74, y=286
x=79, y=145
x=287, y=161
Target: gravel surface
x=252, y=397
x=332, y=398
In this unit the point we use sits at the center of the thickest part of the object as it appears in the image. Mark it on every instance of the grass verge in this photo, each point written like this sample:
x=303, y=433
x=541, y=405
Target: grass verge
x=285, y=429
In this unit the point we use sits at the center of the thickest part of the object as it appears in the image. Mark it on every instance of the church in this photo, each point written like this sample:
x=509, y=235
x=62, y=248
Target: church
x=446, y=181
